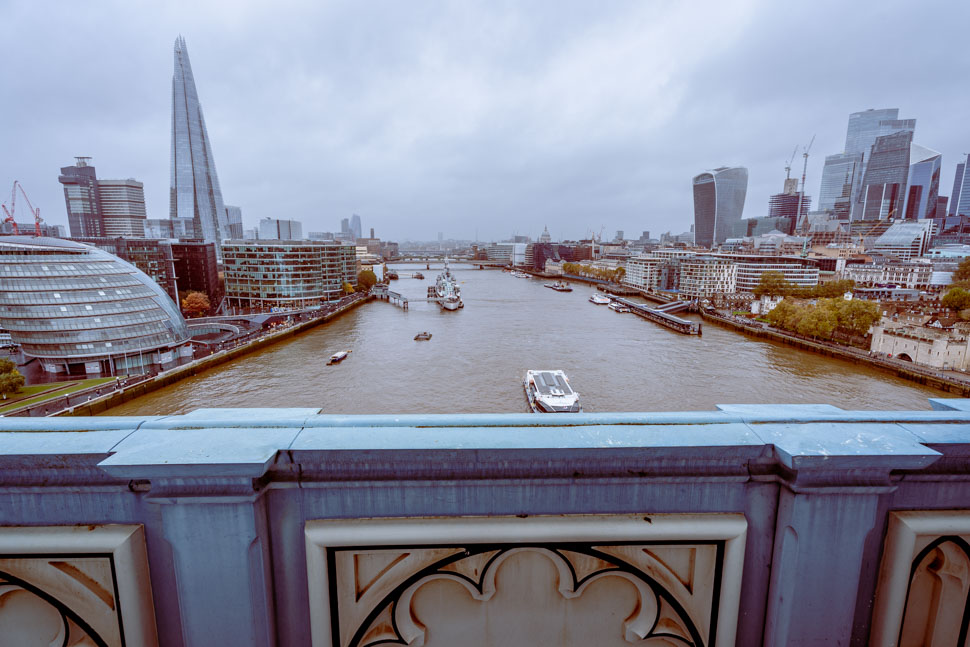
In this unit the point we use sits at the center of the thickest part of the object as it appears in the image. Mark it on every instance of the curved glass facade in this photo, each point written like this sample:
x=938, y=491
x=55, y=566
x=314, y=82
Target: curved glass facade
x=718, y=204
x=67, y=303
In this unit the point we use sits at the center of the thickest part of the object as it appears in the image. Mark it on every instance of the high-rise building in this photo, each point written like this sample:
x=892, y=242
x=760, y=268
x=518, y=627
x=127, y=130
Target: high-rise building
x=960, y=197
x=122, y=207
x=170, y=228
x=81, y=196
x=788, y=203
x=97, y=208
x=923, y=184
x=275, y=229
x=718, y=204
x=355, y=227
x=840, y=174
x=234, y=216
x=883, y=191
x=195, y=191
x=861, y=134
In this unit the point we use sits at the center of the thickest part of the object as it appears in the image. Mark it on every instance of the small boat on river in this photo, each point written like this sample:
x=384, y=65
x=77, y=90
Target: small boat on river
x=423, y=336
x=338, y=357
x=559, y=286
x=618, y=307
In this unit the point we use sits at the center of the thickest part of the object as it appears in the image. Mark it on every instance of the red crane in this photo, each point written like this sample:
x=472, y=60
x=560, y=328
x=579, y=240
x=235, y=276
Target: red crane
x=9, y=213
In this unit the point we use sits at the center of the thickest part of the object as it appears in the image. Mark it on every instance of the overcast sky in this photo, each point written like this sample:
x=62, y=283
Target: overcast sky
x=487, y=118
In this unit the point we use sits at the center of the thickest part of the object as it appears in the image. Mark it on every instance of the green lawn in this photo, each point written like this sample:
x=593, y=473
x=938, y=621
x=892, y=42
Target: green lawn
x=41, y=392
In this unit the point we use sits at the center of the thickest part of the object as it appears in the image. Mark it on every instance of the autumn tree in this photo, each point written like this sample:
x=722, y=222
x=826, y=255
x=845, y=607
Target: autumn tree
x=366, y=279
x=957, y=299
x=11, y=380
x=195, y=304
x=773, y=284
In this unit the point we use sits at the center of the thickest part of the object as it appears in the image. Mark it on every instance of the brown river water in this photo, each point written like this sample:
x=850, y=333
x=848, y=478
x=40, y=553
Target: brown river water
x=478, y=355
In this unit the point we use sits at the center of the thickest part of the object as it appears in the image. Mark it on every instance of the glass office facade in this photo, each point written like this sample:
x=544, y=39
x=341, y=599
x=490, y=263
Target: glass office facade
x=923, y=184
x=840, y=174
x=80, y=309
x=718, y=204
x=883, y=191
x=195, y=191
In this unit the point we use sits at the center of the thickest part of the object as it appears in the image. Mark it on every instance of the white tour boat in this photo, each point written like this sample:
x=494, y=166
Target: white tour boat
x=599, y=300
x=549, y=392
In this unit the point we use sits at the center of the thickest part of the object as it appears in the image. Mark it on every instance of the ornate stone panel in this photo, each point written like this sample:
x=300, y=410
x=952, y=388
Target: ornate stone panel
x=509, y=581
x=923, y=596
x=75, y=586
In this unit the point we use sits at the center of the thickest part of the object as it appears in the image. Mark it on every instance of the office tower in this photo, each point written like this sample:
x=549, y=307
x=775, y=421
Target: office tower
x=863, y=130
x=883, y=191
x=718, y=204
x=355, y=226
x=102, y=207
x=195, y=191
x=786, y=206
x=840, y=174
x=81, y=196
x=273, y=229
x=960, y=197
x=122, y=207
x=923, y=183
x=234, y=218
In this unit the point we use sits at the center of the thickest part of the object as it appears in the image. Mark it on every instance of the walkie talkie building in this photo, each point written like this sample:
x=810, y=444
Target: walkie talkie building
x=195, y=191
x=718, y=204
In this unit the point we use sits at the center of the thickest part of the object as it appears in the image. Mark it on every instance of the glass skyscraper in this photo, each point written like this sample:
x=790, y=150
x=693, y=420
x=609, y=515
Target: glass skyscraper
x=860, y=136
x=195, y=191
x=960, y=198
x=883, y=190
x=841, y=173
x=718, y=204
x=923, y=186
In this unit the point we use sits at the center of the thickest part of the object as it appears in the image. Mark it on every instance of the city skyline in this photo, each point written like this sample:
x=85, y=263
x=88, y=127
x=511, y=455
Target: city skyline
x=472, y=119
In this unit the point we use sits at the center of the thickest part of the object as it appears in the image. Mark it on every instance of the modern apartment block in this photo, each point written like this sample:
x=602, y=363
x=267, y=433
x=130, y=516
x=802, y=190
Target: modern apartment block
x=800, y=272
x=195, y=191
x=718, y=204
x=263, y=275
x=123, y=207
x=704, y=276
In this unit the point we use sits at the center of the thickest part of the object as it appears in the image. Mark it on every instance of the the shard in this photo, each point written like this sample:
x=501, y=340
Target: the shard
x=195, y=191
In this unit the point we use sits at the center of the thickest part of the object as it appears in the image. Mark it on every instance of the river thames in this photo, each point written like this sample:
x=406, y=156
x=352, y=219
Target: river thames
x=478, y=355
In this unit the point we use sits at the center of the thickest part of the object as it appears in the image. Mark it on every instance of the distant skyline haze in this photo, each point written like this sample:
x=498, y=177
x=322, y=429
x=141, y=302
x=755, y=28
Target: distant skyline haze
x=496, y=118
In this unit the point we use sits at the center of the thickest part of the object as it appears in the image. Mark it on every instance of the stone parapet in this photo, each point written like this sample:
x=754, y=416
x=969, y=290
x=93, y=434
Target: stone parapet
x=748, y=525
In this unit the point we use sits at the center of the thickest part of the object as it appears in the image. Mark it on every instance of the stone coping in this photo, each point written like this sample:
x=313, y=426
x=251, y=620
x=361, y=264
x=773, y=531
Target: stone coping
x=247, y=443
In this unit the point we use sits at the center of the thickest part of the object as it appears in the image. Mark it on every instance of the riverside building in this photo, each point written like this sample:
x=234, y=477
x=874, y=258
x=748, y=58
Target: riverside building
x=266, y=275
x=79, y=309
x=705, y=276
x=800, y=272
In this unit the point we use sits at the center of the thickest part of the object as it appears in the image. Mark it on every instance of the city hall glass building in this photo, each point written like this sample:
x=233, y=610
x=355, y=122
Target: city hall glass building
x=718, y=204
x=79, y=309
x=286, y=274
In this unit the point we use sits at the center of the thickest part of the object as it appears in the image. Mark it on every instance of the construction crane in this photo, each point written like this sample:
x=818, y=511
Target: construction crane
x=801, y=195
x=9, y=213
x=788, y=165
